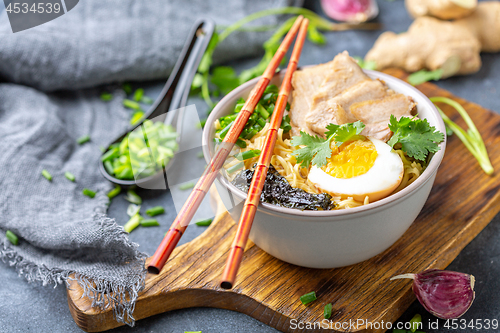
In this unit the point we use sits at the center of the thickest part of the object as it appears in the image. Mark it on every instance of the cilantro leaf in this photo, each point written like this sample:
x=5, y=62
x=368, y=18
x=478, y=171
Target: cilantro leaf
x=417, y=137
x=317, y=150
x=313, y=144
x=345, y=132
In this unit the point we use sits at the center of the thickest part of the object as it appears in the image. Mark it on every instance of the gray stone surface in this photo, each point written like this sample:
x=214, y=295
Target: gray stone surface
x=32, y=308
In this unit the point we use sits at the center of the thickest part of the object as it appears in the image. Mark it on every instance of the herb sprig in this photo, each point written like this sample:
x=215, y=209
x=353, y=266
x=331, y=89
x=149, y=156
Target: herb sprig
x=417, y=137
x=317, y=149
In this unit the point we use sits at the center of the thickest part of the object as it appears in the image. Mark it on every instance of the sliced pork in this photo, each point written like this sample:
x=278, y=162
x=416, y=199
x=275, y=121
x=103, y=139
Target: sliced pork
x=305, y=83
x=337, y=109
x=340, y=92
x=375, y=114
x=345, y=74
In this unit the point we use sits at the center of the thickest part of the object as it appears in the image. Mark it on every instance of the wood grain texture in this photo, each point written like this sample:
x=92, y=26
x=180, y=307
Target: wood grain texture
x=462, y=202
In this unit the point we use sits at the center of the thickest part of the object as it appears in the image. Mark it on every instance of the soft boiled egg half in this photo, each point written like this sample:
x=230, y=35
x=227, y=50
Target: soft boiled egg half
x=359, y=169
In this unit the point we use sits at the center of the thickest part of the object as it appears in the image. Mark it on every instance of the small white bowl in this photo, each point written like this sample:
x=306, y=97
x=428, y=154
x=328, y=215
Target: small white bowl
x=328, y=239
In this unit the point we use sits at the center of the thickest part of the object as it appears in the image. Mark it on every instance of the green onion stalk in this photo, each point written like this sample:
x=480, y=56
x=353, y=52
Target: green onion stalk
x=471, y=138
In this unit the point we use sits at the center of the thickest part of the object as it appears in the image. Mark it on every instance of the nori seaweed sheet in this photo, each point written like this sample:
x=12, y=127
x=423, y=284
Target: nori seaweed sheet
x=278, y=191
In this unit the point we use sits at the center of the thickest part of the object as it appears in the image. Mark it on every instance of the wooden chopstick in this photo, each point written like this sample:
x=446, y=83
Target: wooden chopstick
x=187, y=211
x=259, y=176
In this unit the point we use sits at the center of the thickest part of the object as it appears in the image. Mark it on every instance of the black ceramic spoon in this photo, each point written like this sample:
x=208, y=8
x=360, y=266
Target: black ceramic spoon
x=172, y=97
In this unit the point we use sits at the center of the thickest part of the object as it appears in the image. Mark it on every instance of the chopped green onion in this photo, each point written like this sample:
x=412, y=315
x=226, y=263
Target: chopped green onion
x=69, y=176
x=132, y=223
x=416, y=322
x=136, y=117
x=131, y=105
x=138, y=94
x=285, y=124
x=47, y=175
x=83, y=139
x=133, y=209
x=186, y=186
x=267, y=97
x=12, y=237
x=235, y=167
x=105, y=96
x=127, y=88
x=147, y=100
x=142, y=152
x=109, y=167
x=272, y=88
x=308, y=298
x=224, y=131
x=110, y=154
x=328, y=311
x=247, y=154
x=133, y=197
x=102, y=149
x=238, y=107
x=240, y=143
x=262, y=111
x=150, y=223
x=126, y=173
x=88, y=193
x=204, y=223
x=114, y=192
x=261, y=123
x=248, y=134
x=155, y=211
x=200, y=155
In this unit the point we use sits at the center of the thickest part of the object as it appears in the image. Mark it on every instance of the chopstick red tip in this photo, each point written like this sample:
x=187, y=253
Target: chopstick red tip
x=166, y=247
x=230, y=271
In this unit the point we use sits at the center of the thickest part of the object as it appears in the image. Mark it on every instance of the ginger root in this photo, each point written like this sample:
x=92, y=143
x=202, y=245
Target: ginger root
x=442, y=9
x=433, y=44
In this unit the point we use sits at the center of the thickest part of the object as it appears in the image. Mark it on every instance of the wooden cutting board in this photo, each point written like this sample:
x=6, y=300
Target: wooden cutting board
x=462, y=202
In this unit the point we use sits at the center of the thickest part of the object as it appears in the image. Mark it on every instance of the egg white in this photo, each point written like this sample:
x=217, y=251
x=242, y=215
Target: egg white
x=381, y=180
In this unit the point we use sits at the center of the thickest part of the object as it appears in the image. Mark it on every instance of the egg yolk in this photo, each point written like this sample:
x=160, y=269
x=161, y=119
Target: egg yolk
x=351, y=159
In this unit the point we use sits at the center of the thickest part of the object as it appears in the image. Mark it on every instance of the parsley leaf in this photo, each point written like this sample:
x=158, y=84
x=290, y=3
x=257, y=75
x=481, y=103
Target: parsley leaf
x=317, y=150
x=417, y=137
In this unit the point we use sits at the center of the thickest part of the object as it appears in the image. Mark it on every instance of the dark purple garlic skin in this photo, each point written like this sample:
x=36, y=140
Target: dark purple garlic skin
x=445, y=294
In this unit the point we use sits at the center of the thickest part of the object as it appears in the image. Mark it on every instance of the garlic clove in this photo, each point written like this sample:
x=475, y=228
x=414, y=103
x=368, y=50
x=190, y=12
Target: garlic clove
x=445, y=294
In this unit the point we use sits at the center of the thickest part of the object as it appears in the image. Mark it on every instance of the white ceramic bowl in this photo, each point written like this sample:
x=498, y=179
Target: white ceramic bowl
x=328, y=239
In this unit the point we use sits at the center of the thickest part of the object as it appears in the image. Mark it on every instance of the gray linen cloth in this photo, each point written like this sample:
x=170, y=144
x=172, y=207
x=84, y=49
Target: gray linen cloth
x=64, y=234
